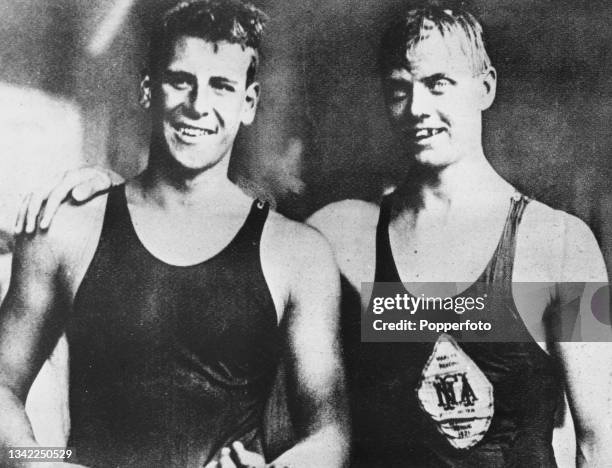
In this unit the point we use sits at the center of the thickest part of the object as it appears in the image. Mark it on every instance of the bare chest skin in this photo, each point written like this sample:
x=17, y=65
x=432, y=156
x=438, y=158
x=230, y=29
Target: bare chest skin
x=456, y=248
x=192, y=236
x=178, y=237
x=183, y=237
x=459, y=250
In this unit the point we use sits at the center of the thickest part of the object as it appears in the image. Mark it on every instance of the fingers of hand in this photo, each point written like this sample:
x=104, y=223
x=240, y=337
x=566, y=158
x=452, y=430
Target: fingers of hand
x=246, y=457
x=225, y=460
x=54, y=200
x=37, y=205
x=82, y=184
x=92, y=186
x=59, y=193
x=33, y=210
x=83, y=191
x=19, y=221
x=212, y=464
x=115, y=178
x=32, y=207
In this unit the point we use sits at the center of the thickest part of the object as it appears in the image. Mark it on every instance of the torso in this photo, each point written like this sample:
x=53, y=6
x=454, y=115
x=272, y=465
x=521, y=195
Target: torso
x=183, y=240
x=351, y=226
x=384, y=377
x=170, y=361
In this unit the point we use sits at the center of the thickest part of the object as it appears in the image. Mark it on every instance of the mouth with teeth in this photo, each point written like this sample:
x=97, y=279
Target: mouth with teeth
x=420, y=134
x=189, y=132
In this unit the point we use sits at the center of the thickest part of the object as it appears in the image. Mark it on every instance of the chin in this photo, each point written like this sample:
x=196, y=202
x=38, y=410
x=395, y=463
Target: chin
x=433, y=159
x=195, y=161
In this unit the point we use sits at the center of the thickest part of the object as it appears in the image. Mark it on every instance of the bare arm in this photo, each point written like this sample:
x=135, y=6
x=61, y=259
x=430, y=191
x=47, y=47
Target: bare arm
x=316, y=376
x=316, y=394
x=587, y=364
x=31, y=320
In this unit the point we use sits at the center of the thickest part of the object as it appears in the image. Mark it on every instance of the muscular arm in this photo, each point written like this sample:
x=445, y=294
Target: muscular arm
x=316, y=377
x=31, y=319
x=350, y=228
x=587, y=364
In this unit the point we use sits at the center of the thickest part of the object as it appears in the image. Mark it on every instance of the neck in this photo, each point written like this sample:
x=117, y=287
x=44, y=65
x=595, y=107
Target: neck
x=464, y=182
x=167, y=183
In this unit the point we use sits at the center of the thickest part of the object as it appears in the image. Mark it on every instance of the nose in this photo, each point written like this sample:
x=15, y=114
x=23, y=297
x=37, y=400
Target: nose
x=199, y=101
x=420, y=100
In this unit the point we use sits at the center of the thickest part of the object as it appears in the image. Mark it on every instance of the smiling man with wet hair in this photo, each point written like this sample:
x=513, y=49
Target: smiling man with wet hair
x=177, y=292
x=229, y=21
x=451, y=400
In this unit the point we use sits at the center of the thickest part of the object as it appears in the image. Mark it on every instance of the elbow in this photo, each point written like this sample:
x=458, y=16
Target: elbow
x=337, y=445
x=338, y=431
x=593, y=445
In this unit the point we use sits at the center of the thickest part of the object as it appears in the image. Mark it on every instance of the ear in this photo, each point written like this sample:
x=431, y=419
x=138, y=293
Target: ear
x=144, y=98
x=249, y=107
x=489, y=87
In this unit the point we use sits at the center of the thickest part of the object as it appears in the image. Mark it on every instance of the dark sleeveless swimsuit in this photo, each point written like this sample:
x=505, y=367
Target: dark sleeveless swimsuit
x=168, y=364
x=391, y=427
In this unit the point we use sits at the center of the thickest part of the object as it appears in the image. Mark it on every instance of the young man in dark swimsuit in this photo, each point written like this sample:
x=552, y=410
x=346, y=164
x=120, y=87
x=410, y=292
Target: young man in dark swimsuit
x=176, y=291
x=454, y=219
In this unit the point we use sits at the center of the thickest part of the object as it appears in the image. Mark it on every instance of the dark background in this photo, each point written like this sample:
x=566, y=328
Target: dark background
x=321, y=134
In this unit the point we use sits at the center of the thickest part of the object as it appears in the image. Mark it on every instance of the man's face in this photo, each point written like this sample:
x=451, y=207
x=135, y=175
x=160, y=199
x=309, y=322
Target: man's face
x=200, y=98
x=435, y=102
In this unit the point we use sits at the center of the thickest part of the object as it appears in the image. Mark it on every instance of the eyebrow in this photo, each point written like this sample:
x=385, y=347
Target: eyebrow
x=436, y=76
x=224, y=80
x=396, y=81
x=177, y=74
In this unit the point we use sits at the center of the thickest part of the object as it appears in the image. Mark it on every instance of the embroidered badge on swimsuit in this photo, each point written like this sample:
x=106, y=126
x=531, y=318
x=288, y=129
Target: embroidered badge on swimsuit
x=456, y=394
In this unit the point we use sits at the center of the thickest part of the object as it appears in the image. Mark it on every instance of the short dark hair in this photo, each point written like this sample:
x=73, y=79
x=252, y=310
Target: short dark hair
x=416, y=24
x=232, y=21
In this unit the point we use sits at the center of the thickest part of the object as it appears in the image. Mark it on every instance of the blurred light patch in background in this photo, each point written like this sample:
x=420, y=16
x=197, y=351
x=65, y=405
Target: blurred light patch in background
x=40, y=137
x=109, y=27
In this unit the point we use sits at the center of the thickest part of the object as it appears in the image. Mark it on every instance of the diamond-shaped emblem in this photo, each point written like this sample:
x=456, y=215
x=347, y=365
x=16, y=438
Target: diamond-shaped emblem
x=456, y=394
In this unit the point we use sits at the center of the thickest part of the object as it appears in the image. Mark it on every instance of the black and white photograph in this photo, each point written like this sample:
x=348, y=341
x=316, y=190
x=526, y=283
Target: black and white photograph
x=305, y=234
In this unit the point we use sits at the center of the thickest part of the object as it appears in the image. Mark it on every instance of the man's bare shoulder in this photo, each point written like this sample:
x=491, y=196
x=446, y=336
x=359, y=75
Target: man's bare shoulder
x=550, y=225
x=335, y=215
x=560, y=241
x=295, y=240
x=297, y=262
x=74, y=228
x=541, y=220
x=350, y=227
x=344, y=222
x=76, y=222
x=64, y=249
